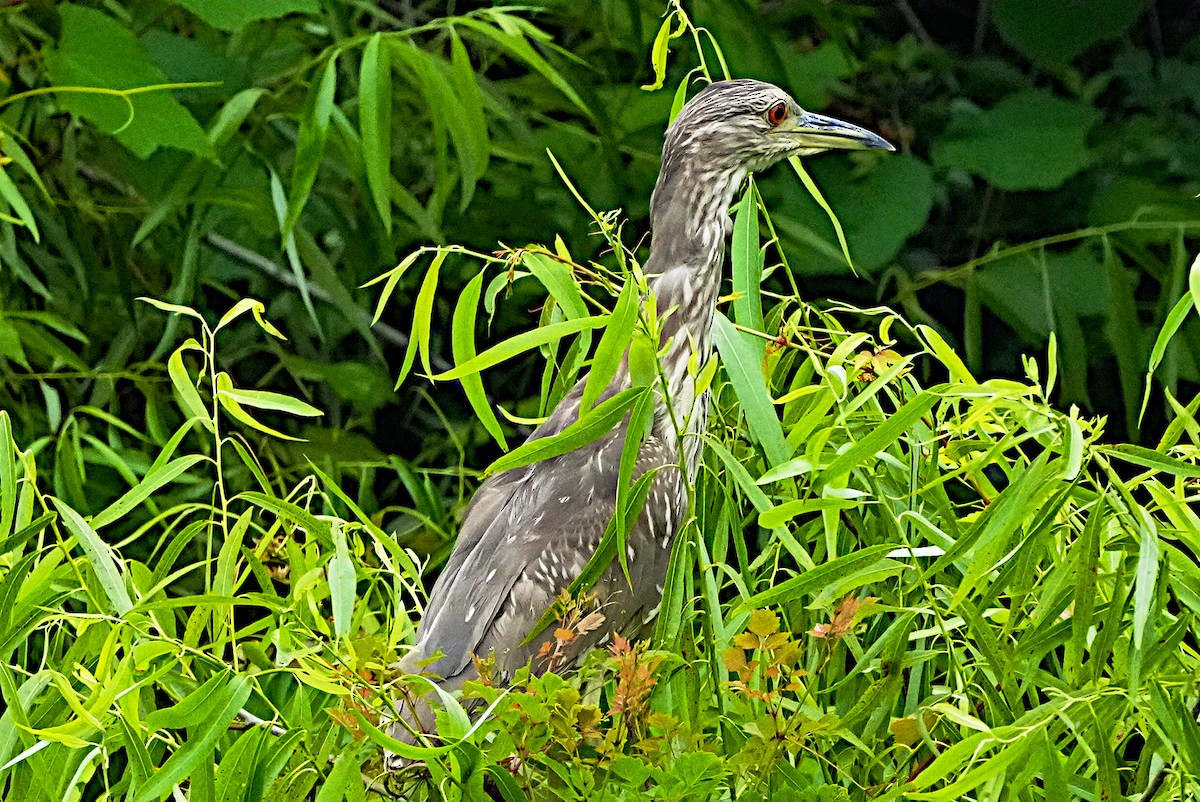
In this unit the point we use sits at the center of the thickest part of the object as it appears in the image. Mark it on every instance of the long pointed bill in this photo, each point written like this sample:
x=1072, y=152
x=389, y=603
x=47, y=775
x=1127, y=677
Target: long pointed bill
x=818, y=132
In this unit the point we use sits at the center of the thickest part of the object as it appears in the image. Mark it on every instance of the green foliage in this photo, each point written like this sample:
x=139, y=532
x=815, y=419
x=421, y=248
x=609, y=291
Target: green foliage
x=900, y=580
x=1029, y=140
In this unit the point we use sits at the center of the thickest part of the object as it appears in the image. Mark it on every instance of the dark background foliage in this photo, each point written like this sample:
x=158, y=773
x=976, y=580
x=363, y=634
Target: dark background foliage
x=170, y=563
x=1017, y=120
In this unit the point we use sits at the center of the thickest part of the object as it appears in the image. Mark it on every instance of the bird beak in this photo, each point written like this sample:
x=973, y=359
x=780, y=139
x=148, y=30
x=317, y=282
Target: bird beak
x=816, y=132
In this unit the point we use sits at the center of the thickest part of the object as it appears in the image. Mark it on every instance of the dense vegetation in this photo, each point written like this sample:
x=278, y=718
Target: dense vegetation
x=949, y=553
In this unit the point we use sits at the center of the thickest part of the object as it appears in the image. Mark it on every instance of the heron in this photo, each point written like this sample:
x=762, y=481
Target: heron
x=528, y=532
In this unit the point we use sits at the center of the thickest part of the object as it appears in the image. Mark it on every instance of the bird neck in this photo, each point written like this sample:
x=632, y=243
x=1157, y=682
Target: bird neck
x=689, y=220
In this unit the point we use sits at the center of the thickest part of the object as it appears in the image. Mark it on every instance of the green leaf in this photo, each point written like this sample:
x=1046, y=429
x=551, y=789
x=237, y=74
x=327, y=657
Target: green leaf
x=880, y=437
x=1194, y=282
x=375, y=123
x=151, y=482
x=1170, y=327
x=255, y=307
x=783, y=513
x=816, y=579
x=264, y=399
x=470, y=109
x=1031, y=139
x=1054, y=33
x=342, y=583
x=746, y=256
x=222, y=708
x=521, y=343
x=1146, y=576
x=10, y=193
x=510, y=38
x=189, y=396
x=233, y=15
x=662, y=43
x=815, y=192
x=1155, y=460
x=741, y=356
x=310, y=144
x=588, y=429
x=343, y=776
x=558, y=280
x=188, y=711
x=99, y=555
x=227, y=397
x=463, y=349
x=879, y=209
x=614, y=344
x=451, y=112
x=95, y=50
x=292, y=512
x=418, y=338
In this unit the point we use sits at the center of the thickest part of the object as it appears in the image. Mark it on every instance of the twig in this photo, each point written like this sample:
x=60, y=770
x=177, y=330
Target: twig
x=914, y=22
x=981, y=26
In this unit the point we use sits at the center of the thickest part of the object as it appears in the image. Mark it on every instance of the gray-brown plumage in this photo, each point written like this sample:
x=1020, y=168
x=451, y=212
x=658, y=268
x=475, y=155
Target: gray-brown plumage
x=529, y=531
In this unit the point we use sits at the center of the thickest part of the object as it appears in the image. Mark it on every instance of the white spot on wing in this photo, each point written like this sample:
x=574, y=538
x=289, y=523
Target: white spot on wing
x=470, y=615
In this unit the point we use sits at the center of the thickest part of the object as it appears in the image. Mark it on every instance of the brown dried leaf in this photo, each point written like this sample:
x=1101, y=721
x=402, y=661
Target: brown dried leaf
x=734, y=658
x=590, y=622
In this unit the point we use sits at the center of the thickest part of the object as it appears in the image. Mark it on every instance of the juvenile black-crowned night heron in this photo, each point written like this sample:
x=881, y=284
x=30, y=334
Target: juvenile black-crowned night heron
x=529, y=531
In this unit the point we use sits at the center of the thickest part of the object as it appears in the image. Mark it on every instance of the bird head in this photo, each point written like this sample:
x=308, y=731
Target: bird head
x=749, y=125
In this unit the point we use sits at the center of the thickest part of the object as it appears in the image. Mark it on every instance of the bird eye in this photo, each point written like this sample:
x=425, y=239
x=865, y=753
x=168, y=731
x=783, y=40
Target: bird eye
x=777, y=113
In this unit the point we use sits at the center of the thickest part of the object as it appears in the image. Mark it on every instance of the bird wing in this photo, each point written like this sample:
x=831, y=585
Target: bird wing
x=515, y=520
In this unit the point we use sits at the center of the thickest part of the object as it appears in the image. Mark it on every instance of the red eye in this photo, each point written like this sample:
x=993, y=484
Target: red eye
x=777, y=113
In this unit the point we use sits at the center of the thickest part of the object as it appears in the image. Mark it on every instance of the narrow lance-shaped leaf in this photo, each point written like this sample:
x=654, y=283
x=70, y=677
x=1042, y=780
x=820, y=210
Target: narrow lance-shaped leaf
x=470, y=109
x=589, y=428
x=641, y=422
x=227, y=397
x=280, y=201
x=662, y=44
x=418, y=340
x=278, y=402
x=342, y=584
x=746, y=258
x=614, y=344
x=221, y=708
x=815, y=579
x=1146, y=576
x=743, y=363
x=99, y=555
x=10, y=193
x=813, y=190
x=463, y=349
x=512, y=41
x=375, y=123
x=310, y=144
x=151, y=482
x=880, y=437
x=1172, y=324
x=557, y=279
x=526, y=341
x=8, y=476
